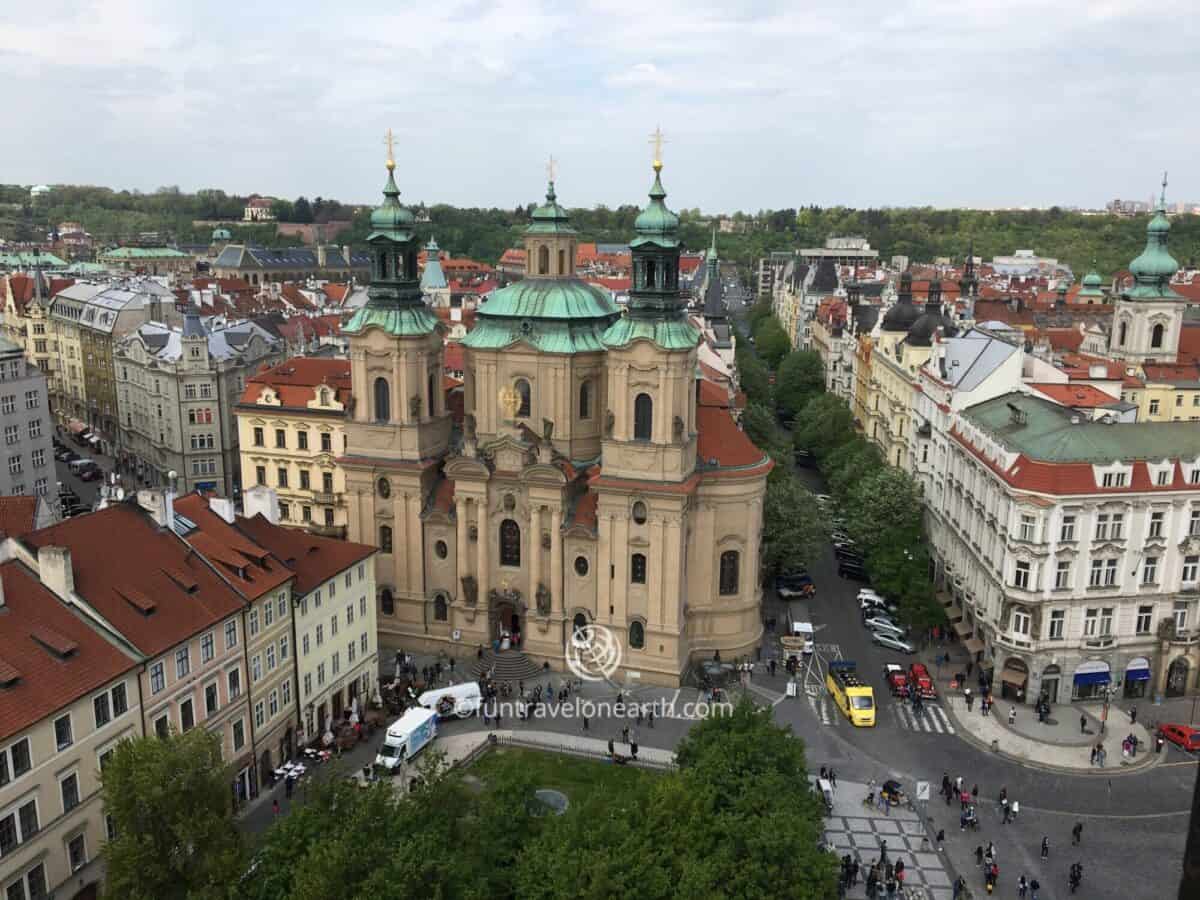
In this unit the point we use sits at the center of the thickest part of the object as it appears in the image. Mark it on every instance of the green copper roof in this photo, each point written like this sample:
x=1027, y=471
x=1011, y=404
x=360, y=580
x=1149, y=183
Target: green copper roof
x=390, y=219
x=402, y=321
x=548, y=298
x=143, y=253
x=656, y=224
x=1092, y=285
x=433, y=278
x=1152, y=270
x=556, y=336
x=550, y=218
x=679, y=334
x=1046, y=433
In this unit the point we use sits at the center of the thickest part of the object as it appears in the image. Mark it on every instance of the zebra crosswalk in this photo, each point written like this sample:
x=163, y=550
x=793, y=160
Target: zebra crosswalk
x=823, y=709
x=933, y=718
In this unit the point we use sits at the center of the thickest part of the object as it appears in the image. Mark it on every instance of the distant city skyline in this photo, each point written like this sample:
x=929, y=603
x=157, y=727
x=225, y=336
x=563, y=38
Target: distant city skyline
x=771, y=105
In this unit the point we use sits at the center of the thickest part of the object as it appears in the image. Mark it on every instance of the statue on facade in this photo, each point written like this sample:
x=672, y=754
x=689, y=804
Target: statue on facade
x=469, y=426
x=610, y=422
x=1166, y=628
x=414, y=406
x=543, y=600
x=470, y=590
x=679, y=427
x=547, y=430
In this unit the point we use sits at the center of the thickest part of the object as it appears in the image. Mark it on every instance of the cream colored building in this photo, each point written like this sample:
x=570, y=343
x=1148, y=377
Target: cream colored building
x=68, y=695
x=291, y=430
x=589, y=486
x=25, y=306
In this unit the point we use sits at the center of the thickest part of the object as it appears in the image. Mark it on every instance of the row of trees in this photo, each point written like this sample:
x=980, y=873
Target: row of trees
x=737, y=819
x=1106, y=242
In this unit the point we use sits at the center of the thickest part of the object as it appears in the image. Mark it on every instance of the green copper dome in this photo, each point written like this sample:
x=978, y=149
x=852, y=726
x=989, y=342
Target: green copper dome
x=1092, y=279
x=550, y=218
x=390, y=219
x=555, y=315
x=1153, y=269
x=656, y=224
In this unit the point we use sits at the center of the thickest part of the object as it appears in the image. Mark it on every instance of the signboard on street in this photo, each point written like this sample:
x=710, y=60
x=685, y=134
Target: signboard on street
x=922, y=790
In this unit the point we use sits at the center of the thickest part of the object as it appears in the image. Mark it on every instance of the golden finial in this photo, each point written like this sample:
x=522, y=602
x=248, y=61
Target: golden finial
x=391, y=158
x=551, y=168
x=657, y=139
x=510, y=401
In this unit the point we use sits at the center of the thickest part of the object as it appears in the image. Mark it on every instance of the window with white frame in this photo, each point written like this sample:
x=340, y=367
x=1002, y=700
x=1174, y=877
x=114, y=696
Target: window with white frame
x=1091, y=621
x=1145, y=616
x=1021, y=575
x=239, y=734
x=207, y=648
x=271, y=658
x=362, y=642
x=158, y=678
x=283, y=605
x=1027, y=527
x=1181, y=615
x=320, y=674
x=17, y=826
x=1068, y=528
x=253, y=626
x=1118, y=526
x=273, y=703
x=1106, y=621
x=350, y=614
x=304, y=646
x=350, y=653
x=1191, y=569
x=333, y=625
x=1062, y=575
x=259, y=717
x=1150, y=570
x=268, y=614
x=1096, y=575
x=234, y=681
x=255, y=667
x=64, y=735
x=285, y=691
x=1194, y=522
x=1020, y=622
x=1113, y=479
x=308, y=684
x=1110, y=572
x=1102, y=526
x=283, y=648
x=1157, y=520
x=320, y=635
x=68, y=789
x=183, y=662
x=230, y=634
x=1058, y=621
x=1163, y=477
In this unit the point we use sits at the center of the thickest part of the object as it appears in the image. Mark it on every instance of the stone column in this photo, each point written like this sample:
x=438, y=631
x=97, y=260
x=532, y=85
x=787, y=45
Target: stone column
x=460, y=550
x=556, y=563
x=481, y=547
x=535, y=555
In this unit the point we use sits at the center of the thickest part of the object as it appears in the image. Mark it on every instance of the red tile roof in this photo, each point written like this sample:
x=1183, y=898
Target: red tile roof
x=18, y=515
x=720, y=440
x=454, y=358
x=689, y=264
x=1187, y=373
x=1076, y=396
x=713, y=394
x=121, y=549
x=513, y=256
x=243, y=563
x=336, y=292
x=1189, y=343
x=36, y=622
x=293, y=295
x=313, y=560
x=617, y=285
x=295, y=380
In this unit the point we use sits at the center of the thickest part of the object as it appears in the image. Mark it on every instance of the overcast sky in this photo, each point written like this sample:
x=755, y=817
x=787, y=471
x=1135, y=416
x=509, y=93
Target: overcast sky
x=764, y=104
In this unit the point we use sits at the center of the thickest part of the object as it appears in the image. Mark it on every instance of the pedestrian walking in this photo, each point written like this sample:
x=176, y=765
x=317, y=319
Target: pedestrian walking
x=640, y=714
x=1132, y=715
x=633, y=750
x=967, y=694
x=1076, y=834
x=833, y=778
x=941, y=839
x=824, y=772
x=979, y=856
x=1007, y=812
x=1082, y=724
x=625, y=735
x=1034, y=887
x=1022, y=886
x=275, y=807
x=497, y=716
x=288, y=784
x=1012, y=715
x=975, y=794
x=1045, y=847
x=960, y=886
x=611, y=751
x=650, y=717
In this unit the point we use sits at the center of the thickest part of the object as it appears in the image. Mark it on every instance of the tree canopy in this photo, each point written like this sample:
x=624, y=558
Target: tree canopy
x=171, y=808
x=793, y=526
x=800, y=379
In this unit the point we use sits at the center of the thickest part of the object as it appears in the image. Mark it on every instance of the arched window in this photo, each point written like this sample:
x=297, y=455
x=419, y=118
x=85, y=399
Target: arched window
x=431, y=390
x=580, y=624
x=387, y=605
x=441, y=609
x=525, y=408
x=510, y=543
x=585, y=400
x=637, y=568
x=1156, y=335
x=383, y=266
x=385, y=538
x=562, y=263
x=651, y=272
x=670, y=276
x=729, y=572
x=543, y=260
x=400, y=270
x=637, y=635
x=383, y=400
x=643, y=417
x=1123, y=333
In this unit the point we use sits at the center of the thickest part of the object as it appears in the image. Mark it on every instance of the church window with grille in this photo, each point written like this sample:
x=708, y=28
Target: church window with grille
x=510, y=543
x=643, y=417
x=729, y=572
x=383, y=400
x=585, y=400
x=526, y=394
x=1156, y=336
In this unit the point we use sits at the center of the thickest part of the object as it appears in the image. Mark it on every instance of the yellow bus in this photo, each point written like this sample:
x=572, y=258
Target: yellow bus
x=851, y=695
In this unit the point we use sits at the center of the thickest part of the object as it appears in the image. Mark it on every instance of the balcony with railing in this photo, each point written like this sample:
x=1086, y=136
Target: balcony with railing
x=1098, y=642
x=328, y=498
x=331, y=531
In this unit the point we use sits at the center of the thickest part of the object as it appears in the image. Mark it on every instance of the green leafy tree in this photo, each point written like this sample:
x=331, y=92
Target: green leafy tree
x=771, y=341
x=302, y=210
x=793, y=527
x=170, y=802
x=753, y=376
x=758, y=313
x=759, y=425
x=885, y=502
x=283, y=210
x=800, y=379
x=849, y=464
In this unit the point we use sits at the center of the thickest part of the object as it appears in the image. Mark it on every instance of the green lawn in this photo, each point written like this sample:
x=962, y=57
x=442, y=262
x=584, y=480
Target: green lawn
x=577, y=778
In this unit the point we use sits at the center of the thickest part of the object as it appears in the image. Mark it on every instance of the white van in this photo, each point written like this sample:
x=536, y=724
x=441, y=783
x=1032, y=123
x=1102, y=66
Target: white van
x=460, y=700
x=406, y=737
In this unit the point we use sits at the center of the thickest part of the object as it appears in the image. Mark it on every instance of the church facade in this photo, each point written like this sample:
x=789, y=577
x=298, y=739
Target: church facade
x=595, y=480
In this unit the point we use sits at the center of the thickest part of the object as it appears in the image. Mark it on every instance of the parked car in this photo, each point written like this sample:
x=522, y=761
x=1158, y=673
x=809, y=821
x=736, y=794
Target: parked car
x=852, y=569
x=869, y=605
x=879, y=622
x=1183, y=736
x=838, y=536
x=847, y=555
x=804, y=458
x=91, y=473
x=896, y=680
x=892, y=642
x=795, y=586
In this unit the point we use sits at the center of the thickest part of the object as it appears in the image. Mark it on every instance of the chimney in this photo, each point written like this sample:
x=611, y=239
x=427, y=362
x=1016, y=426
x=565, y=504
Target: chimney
x=159, y=503
x=261, y=499
x=223, y=507
x=54, y=569
x=322, y=255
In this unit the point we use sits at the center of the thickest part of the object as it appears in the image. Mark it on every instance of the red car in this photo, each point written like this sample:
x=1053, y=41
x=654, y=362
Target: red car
x=896, y=680
x=920, y=680
x=1181, y=735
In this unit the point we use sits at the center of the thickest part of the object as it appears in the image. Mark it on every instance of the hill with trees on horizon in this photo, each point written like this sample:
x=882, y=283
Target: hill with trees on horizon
x=1104, y=242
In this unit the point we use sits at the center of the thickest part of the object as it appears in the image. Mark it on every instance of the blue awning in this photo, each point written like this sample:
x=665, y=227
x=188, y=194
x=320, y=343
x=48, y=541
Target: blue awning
x=1092, y=677
x=1137, y=674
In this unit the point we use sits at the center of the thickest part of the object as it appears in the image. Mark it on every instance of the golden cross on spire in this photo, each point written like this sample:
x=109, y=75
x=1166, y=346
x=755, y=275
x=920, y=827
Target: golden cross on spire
x=657, y=139
x=391, y=159
x=551, y=168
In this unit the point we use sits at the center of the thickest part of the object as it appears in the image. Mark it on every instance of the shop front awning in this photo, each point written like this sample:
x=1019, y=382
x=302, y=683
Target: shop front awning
x=1138, y=669
x=962, y=629
x=1092, y=672
x=955, y=613
x=974, y=645
x=1015, y=677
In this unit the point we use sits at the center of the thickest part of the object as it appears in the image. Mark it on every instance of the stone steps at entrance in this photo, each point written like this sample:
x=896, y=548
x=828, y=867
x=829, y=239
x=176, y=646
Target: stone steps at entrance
x=509, y=665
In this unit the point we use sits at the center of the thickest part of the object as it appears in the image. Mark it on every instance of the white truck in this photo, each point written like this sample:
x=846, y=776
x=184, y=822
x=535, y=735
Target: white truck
x=460, y=700
x=407, y=736
x=798, y=642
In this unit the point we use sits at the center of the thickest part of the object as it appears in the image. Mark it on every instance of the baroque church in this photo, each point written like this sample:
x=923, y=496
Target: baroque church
x=597, y=477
